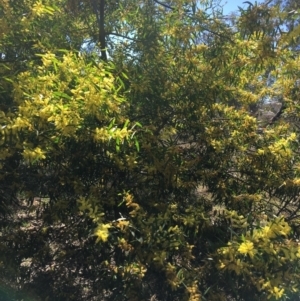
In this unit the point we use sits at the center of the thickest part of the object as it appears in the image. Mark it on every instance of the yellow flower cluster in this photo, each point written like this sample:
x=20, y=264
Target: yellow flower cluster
x=134, y=269
x=39, y=9
x=194, y=292
x=124, y=245
x=274, y=291
x=32, y=155
x=272, y=230
x=265, y=240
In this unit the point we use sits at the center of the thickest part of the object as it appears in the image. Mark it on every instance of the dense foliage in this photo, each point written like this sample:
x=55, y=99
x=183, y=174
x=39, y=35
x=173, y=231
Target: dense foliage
x=137, y=161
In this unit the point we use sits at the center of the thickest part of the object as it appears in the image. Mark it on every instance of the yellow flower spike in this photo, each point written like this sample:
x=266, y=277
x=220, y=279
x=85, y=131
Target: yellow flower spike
x=102, y=232
x=277, y=292
x=267, y=232
x=222, y=265
x=247, y=247
x=266, y=285
x=38, y=8
x=122, y=224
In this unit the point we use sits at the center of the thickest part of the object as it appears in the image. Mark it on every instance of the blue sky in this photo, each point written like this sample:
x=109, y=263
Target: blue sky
x=232, y=5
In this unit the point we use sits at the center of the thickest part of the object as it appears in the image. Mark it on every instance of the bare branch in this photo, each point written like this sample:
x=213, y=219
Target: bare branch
x=164, y=4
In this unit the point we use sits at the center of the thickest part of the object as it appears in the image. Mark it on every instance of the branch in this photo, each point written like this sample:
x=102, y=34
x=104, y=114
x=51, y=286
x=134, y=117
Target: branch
x=164, y=4
x=278, y=114
x=102, y=31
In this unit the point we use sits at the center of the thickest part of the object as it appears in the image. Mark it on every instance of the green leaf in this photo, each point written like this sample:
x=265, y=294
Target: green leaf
x=137, y=145
x=111, y=124
x=117, y=144
x=61, y=94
